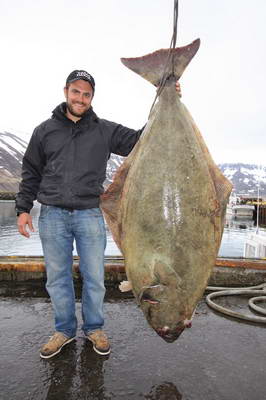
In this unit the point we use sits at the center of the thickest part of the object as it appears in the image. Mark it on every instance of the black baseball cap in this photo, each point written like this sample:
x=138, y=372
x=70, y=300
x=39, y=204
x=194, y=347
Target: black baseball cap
x=80, y=74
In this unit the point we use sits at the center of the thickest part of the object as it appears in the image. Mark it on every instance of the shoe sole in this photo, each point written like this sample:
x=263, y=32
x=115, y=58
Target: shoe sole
x=58, y=351
x=98, y=351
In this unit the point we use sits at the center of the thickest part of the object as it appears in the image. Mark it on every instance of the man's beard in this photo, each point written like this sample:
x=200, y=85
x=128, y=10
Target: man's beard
x=74, y=113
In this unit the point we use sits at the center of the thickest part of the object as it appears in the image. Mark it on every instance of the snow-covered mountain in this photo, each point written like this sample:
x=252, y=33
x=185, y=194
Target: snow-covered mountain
x=12, y=149
x=244, y=177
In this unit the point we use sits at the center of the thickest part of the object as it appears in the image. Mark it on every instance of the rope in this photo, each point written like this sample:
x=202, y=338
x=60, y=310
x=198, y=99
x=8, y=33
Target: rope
x=250, y=291
x=170, y=57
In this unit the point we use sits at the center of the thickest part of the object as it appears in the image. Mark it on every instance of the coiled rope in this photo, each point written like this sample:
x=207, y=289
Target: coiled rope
x=249, y=291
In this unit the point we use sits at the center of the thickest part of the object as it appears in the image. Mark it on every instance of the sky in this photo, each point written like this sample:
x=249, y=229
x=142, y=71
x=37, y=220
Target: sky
x=224, y=86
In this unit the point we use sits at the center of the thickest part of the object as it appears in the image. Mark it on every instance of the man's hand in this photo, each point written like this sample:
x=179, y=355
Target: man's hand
x=178, y=88
x=25, y=219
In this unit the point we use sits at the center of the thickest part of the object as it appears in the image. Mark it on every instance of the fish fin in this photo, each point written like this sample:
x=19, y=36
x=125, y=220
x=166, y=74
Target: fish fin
x=125, y=286
x=222, y=185
x=153, y=66
x=110, y=200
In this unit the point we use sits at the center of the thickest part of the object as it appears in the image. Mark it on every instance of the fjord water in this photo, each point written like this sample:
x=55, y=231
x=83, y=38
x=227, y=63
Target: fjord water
x=12, y=243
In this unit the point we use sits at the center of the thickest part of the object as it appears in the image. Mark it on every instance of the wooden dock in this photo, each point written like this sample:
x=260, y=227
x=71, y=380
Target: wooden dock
x=227, y=271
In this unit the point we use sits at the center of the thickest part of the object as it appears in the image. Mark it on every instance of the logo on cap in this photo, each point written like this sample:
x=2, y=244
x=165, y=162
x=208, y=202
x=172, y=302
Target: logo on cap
x=84, y=74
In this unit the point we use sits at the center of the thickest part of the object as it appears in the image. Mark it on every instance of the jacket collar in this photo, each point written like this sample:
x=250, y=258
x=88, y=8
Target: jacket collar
x=60, y=113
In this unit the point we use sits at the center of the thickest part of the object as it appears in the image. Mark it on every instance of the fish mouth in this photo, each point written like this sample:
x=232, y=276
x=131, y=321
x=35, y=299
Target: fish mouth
x=170, y=335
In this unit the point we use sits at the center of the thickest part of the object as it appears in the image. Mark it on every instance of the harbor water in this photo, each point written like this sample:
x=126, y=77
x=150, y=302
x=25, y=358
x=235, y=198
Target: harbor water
x=12, y=243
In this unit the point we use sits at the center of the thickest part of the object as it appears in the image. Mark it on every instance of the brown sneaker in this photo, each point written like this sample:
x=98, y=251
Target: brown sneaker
x=100, y=342
x=55, y=344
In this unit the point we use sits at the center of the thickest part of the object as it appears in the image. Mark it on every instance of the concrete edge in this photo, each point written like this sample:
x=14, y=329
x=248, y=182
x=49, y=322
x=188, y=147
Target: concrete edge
x=227, y=272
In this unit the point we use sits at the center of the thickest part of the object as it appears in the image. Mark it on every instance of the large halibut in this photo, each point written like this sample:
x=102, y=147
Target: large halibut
x=166, y=205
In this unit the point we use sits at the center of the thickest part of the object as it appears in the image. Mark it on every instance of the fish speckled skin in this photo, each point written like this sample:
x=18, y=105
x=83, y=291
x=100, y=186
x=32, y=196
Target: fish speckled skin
x=165, y=209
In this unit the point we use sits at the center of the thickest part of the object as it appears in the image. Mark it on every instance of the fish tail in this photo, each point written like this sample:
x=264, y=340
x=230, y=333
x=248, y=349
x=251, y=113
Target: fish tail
x=163, y=63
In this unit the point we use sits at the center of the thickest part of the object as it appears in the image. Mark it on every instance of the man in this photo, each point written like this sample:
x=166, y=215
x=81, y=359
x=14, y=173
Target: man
x=64, y=167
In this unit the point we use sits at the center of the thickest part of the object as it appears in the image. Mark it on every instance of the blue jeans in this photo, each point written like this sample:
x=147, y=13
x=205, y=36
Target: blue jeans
x=58, y=228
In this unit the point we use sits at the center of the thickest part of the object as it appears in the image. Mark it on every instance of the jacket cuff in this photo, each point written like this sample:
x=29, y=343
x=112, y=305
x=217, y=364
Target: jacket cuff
x=19, y=211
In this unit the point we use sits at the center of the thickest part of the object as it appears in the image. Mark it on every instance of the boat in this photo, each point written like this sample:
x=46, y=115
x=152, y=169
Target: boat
x=243, y=211
x=255, y=244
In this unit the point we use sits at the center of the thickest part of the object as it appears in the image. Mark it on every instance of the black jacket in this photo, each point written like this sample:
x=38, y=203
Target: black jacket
x=65, y=162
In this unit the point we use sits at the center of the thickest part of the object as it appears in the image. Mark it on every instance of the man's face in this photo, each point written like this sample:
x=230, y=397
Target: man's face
x=78, y=96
